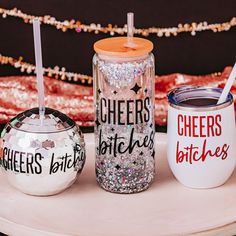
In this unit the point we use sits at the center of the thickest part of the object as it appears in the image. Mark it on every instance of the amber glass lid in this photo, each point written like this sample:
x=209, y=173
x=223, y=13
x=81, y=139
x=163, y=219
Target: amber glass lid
x=119, y=47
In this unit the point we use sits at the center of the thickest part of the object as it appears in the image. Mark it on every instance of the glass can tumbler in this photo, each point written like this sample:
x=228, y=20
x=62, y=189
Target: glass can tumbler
x=124, y=114
x=201, y=136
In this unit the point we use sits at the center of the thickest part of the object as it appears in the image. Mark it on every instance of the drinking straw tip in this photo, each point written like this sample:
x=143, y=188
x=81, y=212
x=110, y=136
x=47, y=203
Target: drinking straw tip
x=130, y=30
x=39, y=66
x=228, y=85
x=130, y=24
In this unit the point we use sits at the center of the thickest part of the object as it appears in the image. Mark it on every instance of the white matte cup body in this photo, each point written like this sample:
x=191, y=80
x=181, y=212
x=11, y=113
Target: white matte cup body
x=202, y=145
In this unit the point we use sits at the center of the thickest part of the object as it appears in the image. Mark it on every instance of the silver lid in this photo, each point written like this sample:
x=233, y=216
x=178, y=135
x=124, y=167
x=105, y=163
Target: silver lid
x=180, y=94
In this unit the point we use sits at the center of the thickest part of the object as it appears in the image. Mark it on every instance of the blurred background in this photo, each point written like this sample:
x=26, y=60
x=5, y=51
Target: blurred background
x=206, y=52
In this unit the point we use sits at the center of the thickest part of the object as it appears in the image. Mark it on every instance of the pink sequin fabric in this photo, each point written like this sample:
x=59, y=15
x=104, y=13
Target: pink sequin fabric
x=19, y=93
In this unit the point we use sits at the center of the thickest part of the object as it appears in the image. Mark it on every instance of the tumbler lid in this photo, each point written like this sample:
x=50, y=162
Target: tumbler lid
x=117, y=47
x=53, y=121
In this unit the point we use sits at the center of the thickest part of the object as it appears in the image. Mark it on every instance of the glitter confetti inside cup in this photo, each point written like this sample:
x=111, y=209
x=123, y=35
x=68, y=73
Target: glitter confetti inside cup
x=42, y=159
x=124, y=122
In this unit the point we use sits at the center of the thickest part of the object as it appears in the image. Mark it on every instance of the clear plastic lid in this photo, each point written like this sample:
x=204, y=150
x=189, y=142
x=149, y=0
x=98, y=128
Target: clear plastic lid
x=53, y=121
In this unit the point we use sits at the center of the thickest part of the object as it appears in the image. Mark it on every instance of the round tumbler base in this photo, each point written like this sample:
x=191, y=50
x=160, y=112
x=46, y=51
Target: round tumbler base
x=43, y=193
x=125, y=190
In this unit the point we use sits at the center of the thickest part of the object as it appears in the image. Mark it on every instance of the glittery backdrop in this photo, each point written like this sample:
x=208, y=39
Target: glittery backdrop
x=18, y=93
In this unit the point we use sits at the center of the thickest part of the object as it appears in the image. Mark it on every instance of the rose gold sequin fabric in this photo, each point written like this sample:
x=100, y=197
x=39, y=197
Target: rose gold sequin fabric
x=19, y=93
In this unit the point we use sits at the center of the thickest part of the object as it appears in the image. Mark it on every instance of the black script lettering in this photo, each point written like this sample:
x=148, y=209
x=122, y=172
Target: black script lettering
x=66, y=162
x=115, y=144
